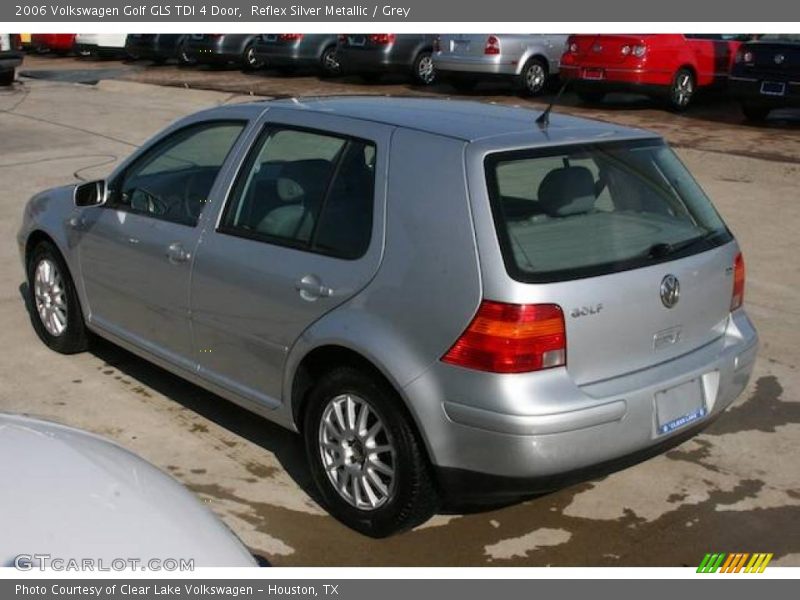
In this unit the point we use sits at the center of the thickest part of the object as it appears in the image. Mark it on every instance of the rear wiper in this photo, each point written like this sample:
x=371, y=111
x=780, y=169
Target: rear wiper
x=662, y=249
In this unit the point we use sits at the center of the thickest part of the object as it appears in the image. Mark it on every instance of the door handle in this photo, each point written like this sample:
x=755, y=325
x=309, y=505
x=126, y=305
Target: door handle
x=176, y=253
x=311, y=288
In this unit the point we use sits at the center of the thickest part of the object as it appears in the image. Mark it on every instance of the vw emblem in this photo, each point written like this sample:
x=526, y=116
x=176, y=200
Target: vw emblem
x=779, y=58
x=670, y=291
x=597, y=48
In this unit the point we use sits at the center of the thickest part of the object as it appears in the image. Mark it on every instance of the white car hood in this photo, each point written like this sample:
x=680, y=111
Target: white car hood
x=72, y=494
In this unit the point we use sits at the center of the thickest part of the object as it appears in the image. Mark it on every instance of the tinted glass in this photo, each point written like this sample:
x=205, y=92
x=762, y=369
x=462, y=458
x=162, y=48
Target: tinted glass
x=307, y=190
x=173, y=180
x=590, y=210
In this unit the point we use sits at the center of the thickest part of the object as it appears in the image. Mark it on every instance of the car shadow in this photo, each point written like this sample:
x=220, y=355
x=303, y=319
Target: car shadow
x=285, y=445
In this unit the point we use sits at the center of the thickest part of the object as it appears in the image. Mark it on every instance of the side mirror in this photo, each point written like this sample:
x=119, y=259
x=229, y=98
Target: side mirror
x=93, y=193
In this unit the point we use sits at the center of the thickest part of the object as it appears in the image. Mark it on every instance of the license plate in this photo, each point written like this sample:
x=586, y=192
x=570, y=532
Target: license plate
x=357, y=40
x=460, y=46
x=679, y=406
x=773, y=88
x=593, y=74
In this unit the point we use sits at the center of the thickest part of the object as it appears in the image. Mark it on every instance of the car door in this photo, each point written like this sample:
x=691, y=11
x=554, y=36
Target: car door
x=136, y=251
x=301, y=233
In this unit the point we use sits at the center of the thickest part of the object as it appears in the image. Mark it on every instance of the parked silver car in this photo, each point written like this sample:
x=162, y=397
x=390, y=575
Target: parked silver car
x=288, y=52
x=447, y=299
x=78, y=497
x=528, y=60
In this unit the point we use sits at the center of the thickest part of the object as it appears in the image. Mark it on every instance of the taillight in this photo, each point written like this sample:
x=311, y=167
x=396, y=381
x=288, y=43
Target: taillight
x=290, y=37
x=437, y=44
x=492, y=45
x=512, y=338
x=573, y=47
x=639, y=50
x=745, y=56
x=342, y=38
x=737, y=298
x=382, y=39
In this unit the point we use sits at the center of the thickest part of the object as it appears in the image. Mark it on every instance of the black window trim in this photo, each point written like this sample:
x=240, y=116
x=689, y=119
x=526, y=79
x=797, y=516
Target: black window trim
x=146, y=154
x=500, y=225
x=245, y=168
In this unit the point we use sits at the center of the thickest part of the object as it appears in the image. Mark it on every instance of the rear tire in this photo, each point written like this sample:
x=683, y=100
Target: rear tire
x=54, y=307
x=755, y=113
x=423, y=69
x=532, y=79
x=681, y=90
x=250, y=60
x=329, y=63
x=373, y=474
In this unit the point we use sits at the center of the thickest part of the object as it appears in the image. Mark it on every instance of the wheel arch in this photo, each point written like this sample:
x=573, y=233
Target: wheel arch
x=531, y=54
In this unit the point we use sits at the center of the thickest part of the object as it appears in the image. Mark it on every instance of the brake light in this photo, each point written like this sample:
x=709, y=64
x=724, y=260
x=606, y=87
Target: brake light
x=573, y=47
x=744, y=56
x=512, y=338
x=737, y=298
x=639, y=50
x=342, y=38
x=290, y=37
x=492, y=45
x=382, y=39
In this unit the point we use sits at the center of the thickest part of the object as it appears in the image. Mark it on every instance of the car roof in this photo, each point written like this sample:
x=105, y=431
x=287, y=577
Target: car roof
x=466, y=120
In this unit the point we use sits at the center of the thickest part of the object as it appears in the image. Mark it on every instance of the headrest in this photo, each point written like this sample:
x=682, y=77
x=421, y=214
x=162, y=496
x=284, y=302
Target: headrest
x=567, y=191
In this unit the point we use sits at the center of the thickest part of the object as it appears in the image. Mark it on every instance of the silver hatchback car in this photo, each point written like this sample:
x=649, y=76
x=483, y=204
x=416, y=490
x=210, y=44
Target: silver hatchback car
x=446, y=299
x=528, y=60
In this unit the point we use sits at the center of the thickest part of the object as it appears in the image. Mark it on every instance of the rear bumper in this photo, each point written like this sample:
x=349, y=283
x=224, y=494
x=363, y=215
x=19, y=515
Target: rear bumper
x=276, y=56
x=617, y=79
x=371, y=61
x=480, y=451
x=476, y=65
x=748, y=90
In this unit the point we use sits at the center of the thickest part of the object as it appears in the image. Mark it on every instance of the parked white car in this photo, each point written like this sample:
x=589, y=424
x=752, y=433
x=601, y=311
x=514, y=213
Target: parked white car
x=100, y=44
x=73, y=495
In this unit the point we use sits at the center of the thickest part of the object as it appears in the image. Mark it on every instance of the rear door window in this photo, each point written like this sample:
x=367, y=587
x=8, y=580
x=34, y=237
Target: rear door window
x=587, y=210
x=306, y=189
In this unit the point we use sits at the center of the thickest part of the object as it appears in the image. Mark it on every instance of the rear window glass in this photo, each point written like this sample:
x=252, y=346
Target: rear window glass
x=586, y=210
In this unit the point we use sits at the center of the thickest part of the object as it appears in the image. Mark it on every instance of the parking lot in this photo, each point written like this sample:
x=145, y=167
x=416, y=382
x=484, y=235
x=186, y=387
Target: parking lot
x=735, y=488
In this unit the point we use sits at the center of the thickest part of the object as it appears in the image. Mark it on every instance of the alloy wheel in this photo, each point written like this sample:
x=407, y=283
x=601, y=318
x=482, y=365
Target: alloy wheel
x=425, y=69
x=50, y=296
x=357, y=451
x=683, y=89
x=535, y=77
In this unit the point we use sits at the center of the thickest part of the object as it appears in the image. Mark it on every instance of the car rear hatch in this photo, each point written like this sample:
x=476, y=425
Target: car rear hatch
x=462, y=45
x=623, y=240
x=778, y=59
x=603, y=50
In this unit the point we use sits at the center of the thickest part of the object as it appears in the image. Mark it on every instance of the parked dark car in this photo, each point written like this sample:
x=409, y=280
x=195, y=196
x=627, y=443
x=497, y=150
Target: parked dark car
x=157, y=47
x=222, y=49
x=10, y=57
x=287, y=52
x=766, y=75
x=372, y=55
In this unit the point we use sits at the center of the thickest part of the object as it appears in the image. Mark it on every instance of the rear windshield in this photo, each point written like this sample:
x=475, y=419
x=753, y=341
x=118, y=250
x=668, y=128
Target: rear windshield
x=585, y=210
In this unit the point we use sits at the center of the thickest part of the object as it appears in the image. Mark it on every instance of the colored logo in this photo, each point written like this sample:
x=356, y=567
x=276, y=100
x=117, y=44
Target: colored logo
x=738, y=562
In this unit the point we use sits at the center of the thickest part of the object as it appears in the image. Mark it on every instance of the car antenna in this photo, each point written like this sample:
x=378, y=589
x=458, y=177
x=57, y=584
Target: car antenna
x=543, y=120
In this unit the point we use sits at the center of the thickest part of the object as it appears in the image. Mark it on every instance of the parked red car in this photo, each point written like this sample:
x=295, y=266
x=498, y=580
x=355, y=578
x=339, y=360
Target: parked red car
x=669, y=66
x=59, y=43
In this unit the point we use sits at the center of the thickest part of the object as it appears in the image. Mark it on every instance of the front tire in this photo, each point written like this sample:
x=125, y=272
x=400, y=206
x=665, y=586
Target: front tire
x=53, y=302
x=366, y=458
